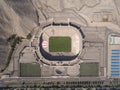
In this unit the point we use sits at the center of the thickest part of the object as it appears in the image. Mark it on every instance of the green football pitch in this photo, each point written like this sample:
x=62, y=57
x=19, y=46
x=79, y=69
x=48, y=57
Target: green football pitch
x=60, y=44
x=29, y=70
x=89, y=69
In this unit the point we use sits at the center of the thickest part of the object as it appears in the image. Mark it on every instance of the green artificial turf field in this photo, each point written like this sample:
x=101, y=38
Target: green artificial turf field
x=89, y=69
x=59, y=44
x=29, y=70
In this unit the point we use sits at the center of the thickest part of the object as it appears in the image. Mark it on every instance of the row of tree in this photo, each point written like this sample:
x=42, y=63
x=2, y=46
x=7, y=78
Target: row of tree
x=99, y=85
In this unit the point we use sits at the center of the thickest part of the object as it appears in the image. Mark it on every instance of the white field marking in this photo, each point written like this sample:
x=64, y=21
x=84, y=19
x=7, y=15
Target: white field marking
x=44, y=44
x=68, y=20
x=77, y=44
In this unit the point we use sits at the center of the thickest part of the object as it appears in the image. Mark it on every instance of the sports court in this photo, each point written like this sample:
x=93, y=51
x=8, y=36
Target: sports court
x=115, y=63
x=29, y=70
x=60, y=44
x=89, y=69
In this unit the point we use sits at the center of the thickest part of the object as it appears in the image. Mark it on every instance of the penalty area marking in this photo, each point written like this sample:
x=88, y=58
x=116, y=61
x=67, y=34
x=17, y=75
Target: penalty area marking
x=44, y=44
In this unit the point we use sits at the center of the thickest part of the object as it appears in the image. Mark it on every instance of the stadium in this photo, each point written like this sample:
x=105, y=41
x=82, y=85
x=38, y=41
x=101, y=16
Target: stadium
x=60, y=42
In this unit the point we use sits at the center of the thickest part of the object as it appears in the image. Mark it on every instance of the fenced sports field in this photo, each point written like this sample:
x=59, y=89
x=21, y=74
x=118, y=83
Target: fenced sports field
x=30, y=70
x=89, y=69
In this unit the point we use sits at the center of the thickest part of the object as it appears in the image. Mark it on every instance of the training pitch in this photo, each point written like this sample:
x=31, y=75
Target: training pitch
x=29, y=70
x=89, y=69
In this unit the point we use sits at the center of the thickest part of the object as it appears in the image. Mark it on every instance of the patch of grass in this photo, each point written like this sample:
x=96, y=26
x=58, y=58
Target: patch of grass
x=59, y=44
x=29, y=70
x=89, y=69
x=13, y=40
x=29, y=36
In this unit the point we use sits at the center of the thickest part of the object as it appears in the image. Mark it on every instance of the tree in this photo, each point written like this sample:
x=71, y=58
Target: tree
x=29, y=36
x=89, y=88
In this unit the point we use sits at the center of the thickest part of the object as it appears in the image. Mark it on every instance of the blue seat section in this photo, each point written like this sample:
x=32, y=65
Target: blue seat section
x=115, y=69
x=115, y=51
x=115, y=63
x=115, y=57
x=115, y=75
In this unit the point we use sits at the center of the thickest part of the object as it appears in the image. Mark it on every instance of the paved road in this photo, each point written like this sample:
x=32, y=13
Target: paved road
x=42, y=80
x=48, y=79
